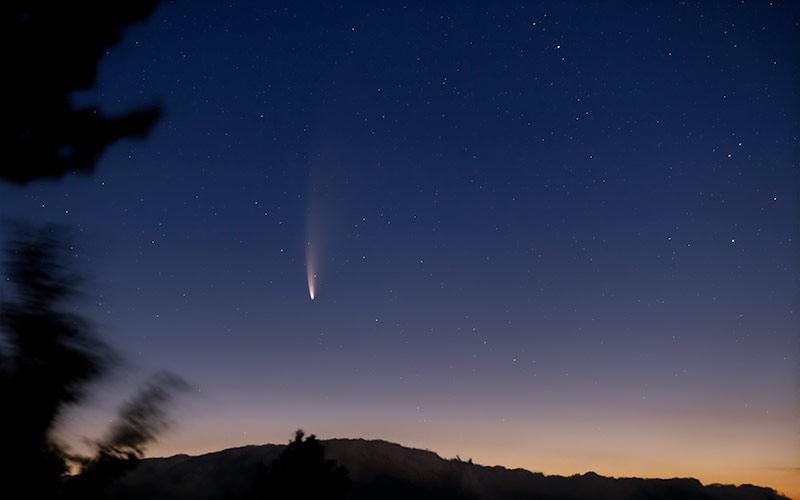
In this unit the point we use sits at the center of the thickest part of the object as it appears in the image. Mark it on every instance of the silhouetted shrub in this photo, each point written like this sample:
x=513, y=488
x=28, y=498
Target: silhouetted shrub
x=301, y=471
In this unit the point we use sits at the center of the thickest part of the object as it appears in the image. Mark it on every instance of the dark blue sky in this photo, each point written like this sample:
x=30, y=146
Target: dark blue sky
x=557, y=235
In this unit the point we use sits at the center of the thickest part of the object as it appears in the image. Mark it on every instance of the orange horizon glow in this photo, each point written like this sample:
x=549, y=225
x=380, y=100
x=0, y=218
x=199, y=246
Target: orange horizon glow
x=782, y=480
x=667, y=453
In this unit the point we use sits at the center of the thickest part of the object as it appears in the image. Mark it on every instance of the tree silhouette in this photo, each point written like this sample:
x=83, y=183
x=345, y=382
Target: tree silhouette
x=140, y=421
x=301, y=471
x=49, y=355
x=51, y=49
x=48, y=358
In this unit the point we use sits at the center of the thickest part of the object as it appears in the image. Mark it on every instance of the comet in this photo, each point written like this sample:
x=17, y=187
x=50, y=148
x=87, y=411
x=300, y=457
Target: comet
x=310, y=274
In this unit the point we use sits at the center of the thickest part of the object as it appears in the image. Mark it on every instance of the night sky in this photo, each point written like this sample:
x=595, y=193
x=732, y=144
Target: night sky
x=558, y=236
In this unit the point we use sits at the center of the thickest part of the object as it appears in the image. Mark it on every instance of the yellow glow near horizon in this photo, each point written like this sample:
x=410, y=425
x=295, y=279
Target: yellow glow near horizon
x=548, y=458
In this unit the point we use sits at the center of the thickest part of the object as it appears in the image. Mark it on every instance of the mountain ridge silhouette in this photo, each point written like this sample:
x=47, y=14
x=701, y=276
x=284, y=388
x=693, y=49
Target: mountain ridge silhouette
x=381, y=469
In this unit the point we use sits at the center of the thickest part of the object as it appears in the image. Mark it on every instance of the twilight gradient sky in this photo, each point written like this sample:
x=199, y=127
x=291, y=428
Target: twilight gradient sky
x=554, y=235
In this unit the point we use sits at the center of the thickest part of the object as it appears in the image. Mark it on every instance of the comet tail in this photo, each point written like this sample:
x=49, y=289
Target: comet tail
x=310, y=275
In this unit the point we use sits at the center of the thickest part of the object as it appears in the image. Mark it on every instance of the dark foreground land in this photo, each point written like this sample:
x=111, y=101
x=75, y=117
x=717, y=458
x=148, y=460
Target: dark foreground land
x=382, y=470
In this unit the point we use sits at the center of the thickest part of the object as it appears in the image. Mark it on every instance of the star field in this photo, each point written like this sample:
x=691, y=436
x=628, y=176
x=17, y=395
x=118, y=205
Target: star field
x=559, y=237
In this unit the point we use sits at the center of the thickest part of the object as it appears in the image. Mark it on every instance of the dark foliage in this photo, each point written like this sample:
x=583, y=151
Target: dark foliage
x=50, y=50
x=301, y=471
x=140, y=422
x=48, y=357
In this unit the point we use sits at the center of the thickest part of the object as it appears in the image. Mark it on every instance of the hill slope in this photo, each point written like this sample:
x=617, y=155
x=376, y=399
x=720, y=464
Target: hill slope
x=389, y=471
